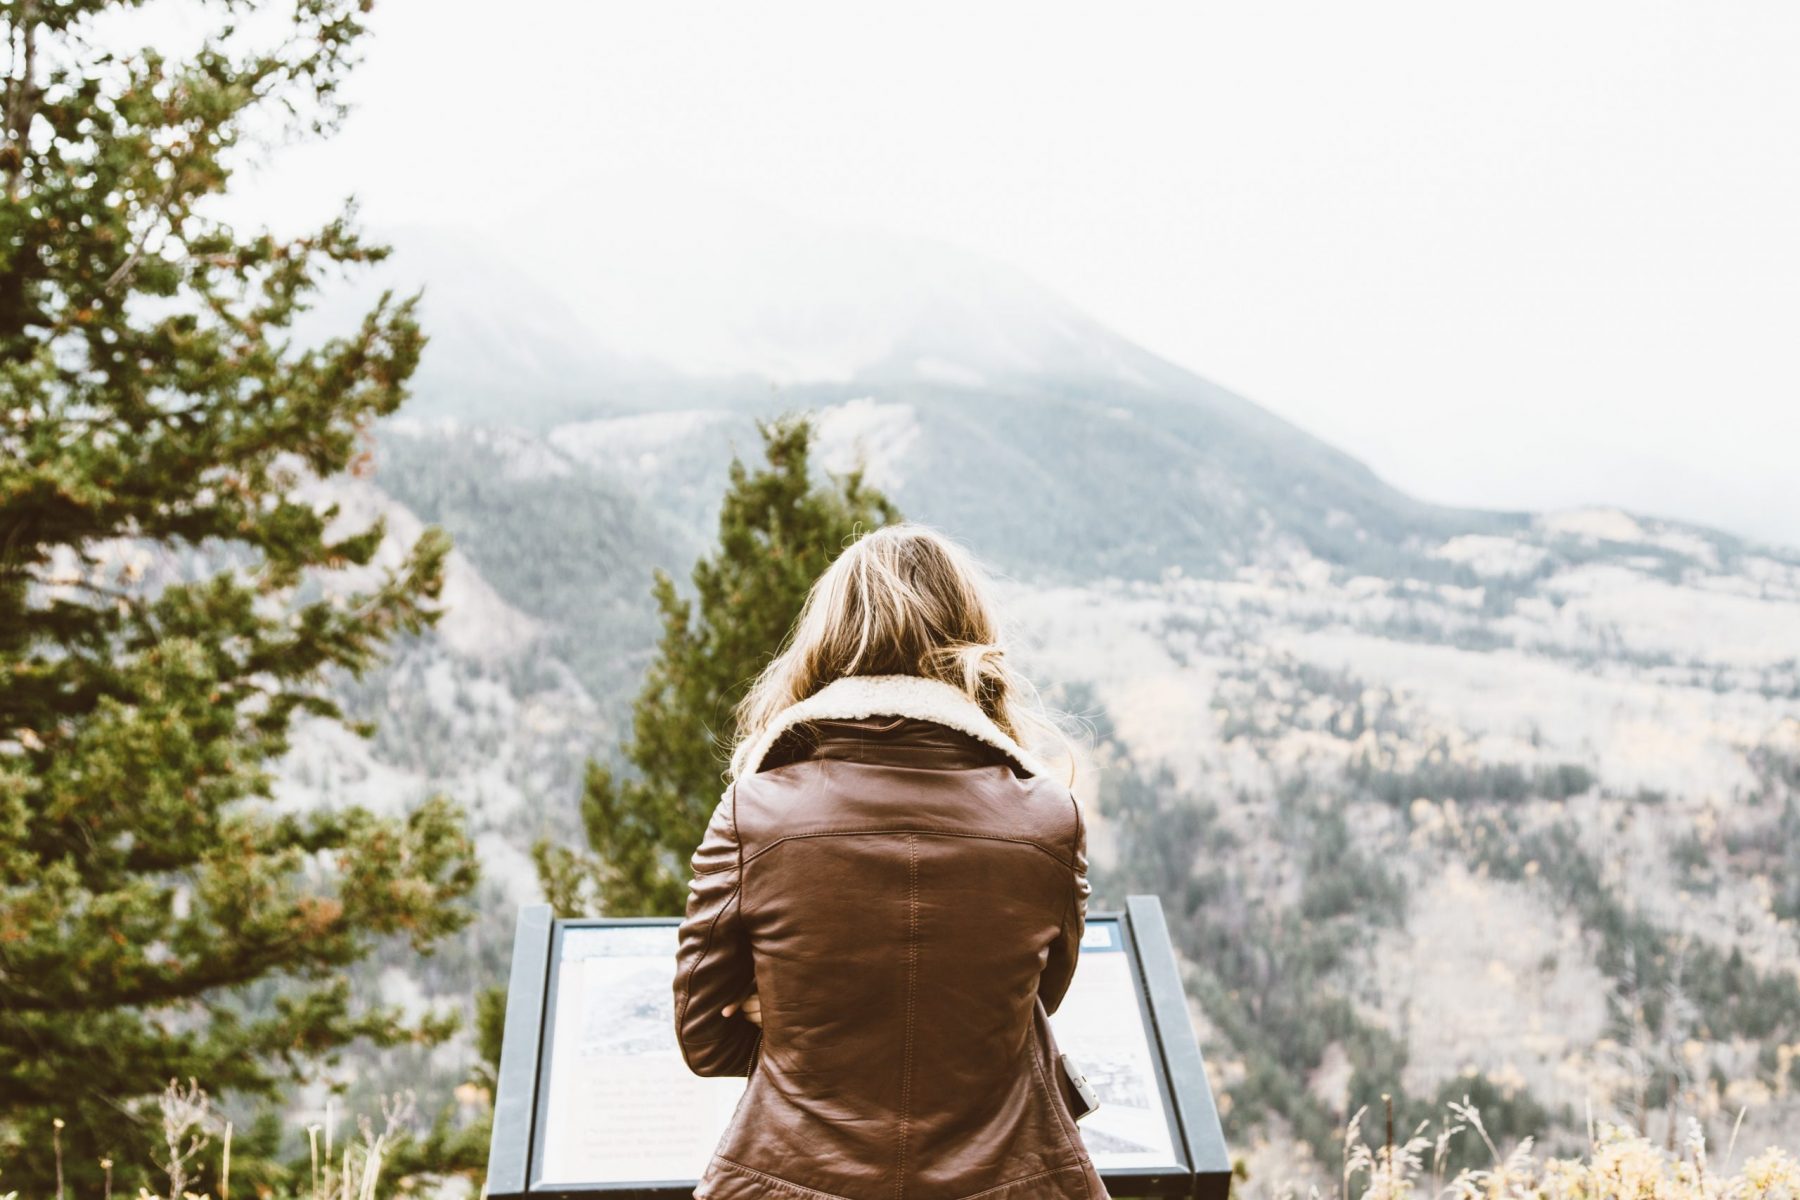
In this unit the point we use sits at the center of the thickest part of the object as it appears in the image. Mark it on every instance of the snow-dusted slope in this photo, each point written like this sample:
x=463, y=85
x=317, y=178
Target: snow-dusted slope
x=1646, y=707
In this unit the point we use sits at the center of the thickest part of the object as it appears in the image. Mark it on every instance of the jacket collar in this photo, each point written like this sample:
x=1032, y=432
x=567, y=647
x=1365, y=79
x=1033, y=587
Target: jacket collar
x=855, y=697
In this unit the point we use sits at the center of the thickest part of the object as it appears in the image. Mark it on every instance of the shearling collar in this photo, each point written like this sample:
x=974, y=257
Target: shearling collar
x=855, y=697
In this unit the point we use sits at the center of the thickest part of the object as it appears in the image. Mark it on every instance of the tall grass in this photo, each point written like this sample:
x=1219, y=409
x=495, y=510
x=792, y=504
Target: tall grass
x=1619, y=1164
x=190, y=1127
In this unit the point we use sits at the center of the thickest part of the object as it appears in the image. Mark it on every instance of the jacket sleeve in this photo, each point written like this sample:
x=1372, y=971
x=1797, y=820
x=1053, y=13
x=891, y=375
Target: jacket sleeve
x=713, y=965
x=1059, y=968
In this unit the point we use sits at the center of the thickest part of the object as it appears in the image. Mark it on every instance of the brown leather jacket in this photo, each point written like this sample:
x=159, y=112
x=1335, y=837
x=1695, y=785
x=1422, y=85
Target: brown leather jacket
x=908, y=899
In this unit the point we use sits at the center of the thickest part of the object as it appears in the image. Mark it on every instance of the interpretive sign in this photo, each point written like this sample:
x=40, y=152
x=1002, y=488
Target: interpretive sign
x=594, y=1098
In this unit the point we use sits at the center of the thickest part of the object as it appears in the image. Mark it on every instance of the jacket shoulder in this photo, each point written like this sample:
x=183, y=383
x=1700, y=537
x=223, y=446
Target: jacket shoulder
x=1055, y=803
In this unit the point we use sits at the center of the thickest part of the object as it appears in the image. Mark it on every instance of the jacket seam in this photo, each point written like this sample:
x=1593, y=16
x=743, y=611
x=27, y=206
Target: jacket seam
x=736, y=838
x=1012, y=1183
x=991, y=837
x=738, y=1112
x=687, y=981
x=1056, y=1112
x=776, y=1181
x=1074, y=835
x=912, y=991
x=1062, y=935
x=1074, y=847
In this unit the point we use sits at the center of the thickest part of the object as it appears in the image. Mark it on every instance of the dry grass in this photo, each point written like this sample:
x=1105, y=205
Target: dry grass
x=190, y=1126
x=1619, y=1165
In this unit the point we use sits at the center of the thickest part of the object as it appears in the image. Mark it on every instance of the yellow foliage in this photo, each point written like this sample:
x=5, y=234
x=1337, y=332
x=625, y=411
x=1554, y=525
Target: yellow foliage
x=1621, y=1165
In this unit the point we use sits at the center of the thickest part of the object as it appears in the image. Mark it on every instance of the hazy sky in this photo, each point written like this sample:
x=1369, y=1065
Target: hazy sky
x=1520, y=255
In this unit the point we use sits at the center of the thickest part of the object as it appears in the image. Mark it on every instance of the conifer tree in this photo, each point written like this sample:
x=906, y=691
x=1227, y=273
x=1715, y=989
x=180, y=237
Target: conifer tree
x=779, y=528
x=169, y=604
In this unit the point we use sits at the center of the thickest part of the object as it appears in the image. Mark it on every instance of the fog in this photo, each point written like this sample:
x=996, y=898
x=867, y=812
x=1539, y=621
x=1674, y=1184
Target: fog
x=1532, y=255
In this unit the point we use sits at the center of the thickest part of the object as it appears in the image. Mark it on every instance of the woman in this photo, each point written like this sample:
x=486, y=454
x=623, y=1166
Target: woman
x=887, y=904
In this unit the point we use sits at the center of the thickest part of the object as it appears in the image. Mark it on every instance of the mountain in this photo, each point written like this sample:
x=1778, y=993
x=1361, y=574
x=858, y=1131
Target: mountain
x=1440, y=801
x=988, y=405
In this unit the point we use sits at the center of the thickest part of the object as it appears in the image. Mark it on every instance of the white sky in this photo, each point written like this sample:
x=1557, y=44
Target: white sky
x=1519, y=255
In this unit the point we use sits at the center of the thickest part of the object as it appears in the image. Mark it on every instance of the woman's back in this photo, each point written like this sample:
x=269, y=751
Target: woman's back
x=907, y=897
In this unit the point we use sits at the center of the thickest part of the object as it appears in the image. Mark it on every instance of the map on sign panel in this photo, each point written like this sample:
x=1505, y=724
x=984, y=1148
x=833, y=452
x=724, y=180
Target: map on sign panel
x=620, y=1106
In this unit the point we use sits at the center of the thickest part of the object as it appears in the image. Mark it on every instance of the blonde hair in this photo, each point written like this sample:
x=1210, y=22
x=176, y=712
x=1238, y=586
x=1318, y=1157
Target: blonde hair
x=900, y=600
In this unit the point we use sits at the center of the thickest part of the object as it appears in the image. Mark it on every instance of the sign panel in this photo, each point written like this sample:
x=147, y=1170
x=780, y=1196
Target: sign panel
x=1104, y=1023
x=594, y=1097
x=620, y=1104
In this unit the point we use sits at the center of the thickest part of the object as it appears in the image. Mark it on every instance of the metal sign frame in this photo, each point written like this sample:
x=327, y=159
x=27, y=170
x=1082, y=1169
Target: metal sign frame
x=521, y=1087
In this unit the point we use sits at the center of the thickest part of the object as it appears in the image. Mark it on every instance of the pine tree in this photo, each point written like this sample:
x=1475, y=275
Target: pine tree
x=169, y=605
x=778, y=529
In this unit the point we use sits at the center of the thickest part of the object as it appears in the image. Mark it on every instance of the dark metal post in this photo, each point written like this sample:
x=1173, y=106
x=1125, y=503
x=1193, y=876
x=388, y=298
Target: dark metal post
x=1194, y=1104
x=515, y=1091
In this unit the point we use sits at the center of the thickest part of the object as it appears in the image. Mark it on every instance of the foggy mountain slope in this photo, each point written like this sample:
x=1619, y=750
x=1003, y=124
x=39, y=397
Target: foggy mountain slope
x=572, y=547
x=1069, y=478
x=505, y=348
x=1434, y=797
x=1047, y=441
